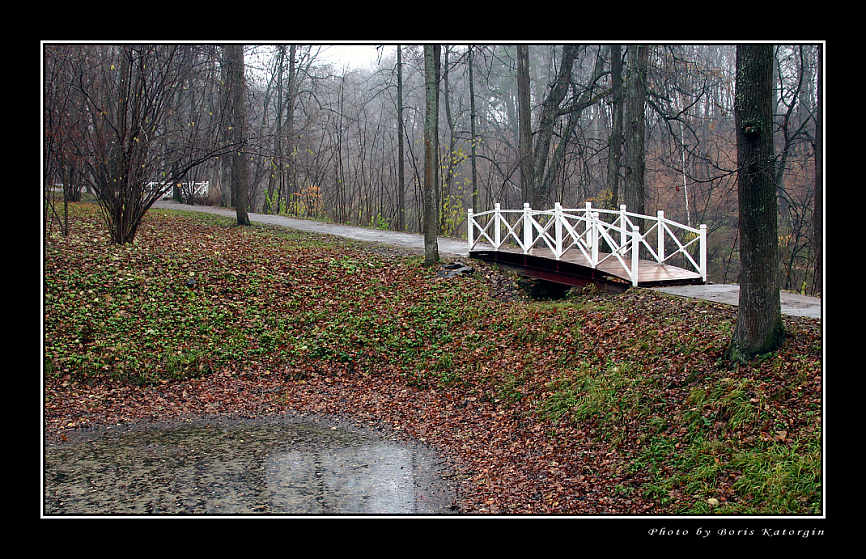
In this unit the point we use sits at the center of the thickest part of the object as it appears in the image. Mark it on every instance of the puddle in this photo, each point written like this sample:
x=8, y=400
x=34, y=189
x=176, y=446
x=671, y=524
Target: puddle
x=285, y=466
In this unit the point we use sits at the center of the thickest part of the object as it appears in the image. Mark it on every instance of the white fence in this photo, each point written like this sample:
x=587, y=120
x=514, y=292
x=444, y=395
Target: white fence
x=200, y=188
x=584, y=230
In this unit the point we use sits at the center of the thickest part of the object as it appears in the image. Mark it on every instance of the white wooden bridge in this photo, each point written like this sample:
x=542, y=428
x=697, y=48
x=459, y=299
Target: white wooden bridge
x=591, y=243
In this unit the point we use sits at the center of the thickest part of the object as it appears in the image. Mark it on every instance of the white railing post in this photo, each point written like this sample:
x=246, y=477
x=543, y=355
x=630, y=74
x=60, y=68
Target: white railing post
x=622, y=232
x=496, y=238
x=588, y=216
x=594, y=237
x=635, y=253
x=661, y=235
x=703, y=245
x=527, y=228
x=557, y=215
x=469, y=219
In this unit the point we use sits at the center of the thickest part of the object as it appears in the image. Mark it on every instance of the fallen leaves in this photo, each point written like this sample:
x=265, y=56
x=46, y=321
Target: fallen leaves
x=283, y=321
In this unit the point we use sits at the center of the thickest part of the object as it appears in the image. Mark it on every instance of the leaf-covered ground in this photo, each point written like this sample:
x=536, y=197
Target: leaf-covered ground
x=595, y=404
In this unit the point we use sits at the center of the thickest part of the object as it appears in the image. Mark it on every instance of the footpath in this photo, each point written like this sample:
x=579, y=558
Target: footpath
x=793, y=304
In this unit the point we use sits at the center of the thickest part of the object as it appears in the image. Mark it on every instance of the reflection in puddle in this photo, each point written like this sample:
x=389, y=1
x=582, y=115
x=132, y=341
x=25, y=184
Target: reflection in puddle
x=366, y=479
x=284, y=467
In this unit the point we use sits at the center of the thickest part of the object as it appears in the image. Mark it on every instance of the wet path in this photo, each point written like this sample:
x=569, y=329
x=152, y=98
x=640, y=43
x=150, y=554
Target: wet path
x=792, y=304
x=414, y=241
x=234, y=467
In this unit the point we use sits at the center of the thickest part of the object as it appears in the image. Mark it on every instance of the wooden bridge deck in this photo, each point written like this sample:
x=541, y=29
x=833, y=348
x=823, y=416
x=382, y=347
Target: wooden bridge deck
x=573, y=268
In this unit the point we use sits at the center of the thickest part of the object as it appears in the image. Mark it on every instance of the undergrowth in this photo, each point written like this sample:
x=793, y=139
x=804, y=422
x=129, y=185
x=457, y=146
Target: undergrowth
x=640, y=372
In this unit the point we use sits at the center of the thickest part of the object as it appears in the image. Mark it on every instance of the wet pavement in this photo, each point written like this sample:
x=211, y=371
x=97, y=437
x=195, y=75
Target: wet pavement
x=793, y=304
x=279, y=465
x=413, y=241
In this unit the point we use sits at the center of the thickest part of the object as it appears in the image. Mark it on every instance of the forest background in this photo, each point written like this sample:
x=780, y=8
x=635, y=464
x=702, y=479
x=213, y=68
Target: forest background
x=336, y=143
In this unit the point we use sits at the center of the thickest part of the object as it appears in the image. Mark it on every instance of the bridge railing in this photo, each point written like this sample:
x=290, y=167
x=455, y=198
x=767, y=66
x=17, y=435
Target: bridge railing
x=616, y=235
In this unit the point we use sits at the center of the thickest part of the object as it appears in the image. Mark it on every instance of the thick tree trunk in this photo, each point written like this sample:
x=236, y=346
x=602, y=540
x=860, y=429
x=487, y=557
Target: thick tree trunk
x=240, y=161
x=615, y=149
x=759, y=326
x=634, y=159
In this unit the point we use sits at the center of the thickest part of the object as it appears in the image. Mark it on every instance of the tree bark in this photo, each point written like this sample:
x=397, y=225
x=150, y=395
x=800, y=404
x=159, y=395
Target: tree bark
x=431, y=115
x=550, y=112
x=818, y=216
x=401, y=173
x=524, y=123
x=615, y=149
x=290, y=183
x=240, y=161
x=473, y=144
x=449, y=167
x=759, y=326
x=634, y=158
x=575, y=109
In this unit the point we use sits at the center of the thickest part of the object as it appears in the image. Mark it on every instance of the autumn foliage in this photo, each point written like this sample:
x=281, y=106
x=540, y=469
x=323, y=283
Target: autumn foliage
x=594, y=404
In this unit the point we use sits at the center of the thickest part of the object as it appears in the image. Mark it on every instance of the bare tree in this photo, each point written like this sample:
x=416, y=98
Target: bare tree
x=634, y=162
x=61, y=121
x=401, y=179
x=587, y=97
x=818, y=219
x=132, y=146
x=615, y=144
x=759, y=326
x=550, y=112
x=431, y=115
x=236, y=89
x=472, y=141
x=527, y=178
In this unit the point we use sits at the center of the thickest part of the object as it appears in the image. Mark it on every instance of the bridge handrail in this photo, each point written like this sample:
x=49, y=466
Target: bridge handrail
x=594, y=231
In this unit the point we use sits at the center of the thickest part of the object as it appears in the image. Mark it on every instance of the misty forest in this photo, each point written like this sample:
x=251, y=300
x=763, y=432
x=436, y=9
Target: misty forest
x=650, y=126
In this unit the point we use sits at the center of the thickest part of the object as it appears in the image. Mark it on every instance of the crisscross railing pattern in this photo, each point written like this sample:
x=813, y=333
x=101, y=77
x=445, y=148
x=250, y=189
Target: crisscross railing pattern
x=584, y=230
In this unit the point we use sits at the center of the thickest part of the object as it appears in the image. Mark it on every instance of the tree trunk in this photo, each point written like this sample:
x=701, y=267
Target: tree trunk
x=615, y=149
x=818, y=216
x=401, y=172
x=278, y=138
x=634, y=162
x=290, y=183
x=472, y=132
x=575, y=110
x=431, y=115
x=240, y=161
x=759, y=321
x=225, y=162
x=549, y=114
x=524, y=119
x=449, y=167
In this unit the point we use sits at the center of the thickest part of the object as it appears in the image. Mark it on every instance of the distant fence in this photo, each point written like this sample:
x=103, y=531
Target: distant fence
x=197, y=188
